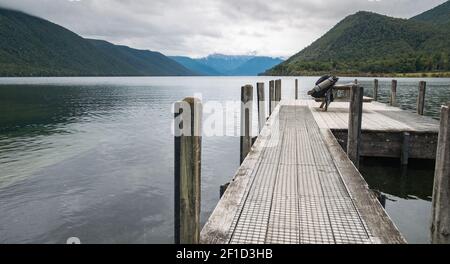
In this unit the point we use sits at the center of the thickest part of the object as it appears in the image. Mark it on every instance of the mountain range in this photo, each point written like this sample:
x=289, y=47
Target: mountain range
x=31, y=46
x=228, y=65
x=364, y=43
x=370, y=43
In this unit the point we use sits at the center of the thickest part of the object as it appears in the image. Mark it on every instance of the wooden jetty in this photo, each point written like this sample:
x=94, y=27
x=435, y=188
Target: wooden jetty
x=298, y=185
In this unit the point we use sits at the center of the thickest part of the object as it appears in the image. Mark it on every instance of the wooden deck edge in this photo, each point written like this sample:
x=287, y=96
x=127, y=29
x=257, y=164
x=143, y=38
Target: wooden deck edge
x=378, y=222
x=216, y=229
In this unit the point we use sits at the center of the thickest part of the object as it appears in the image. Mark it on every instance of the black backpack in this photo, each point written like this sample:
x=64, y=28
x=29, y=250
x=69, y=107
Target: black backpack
x=322, y=93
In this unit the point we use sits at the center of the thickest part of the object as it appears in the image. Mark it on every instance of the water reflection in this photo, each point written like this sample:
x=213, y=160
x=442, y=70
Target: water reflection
x=408, y=193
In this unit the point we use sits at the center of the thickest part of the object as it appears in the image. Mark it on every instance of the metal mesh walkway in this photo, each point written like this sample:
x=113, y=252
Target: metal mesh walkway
x=295, y=193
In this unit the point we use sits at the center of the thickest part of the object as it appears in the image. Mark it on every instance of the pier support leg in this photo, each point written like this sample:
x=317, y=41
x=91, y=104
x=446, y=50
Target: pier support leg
x=375, y=90
x=261, y=106
x=271, y=96
x=421, y=97
x=223, y=189
x=405, y=149
x=393, y=99
x=188, y=116
x=246, y=120
x=354, y=124
x=296, y=89
x=278, y=91
x=440, y=225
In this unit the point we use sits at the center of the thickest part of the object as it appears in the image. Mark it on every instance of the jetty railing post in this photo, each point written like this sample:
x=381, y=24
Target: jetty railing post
x=354, y=124
x=375, y=90
x=187, y=129
x=405, y=149
x=261, y=106
x=440, y=225
x=296, y=89
x=246, y=120
x=393, y=98
x=277, y=91
x=421, y=97
x=271, y=96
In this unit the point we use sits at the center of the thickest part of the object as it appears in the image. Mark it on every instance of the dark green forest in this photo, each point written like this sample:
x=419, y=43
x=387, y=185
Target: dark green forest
x=370, y=43
x=30, y=46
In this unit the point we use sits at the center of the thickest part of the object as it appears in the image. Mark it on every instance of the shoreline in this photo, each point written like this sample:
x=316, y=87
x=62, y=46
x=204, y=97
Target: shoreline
x=373, y=75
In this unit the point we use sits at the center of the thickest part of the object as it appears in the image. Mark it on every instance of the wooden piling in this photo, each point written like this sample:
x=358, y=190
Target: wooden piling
x=440, y=225
x=271, y=96
x=296, y=89
x=393, y=98
x=375, y=90
x=261, y=106
x=246, y=120
x=405, y=148
x=188, y=114
x=354, y=124
x=278, y=91
x=223, y=189
x=421, y=97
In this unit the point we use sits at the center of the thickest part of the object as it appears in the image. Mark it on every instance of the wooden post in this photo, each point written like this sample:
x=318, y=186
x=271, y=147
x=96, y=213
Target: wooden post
x=296, y=89
x=440, y=225
x=246, y=120
x=356, y=81
x=261, y=106
x=354, y=124
x=278, y=91
x=188, y=116
x=375, y=90
x=421, y=97
x=271, y=96
x=223, y=189
x=393, y=99
x=405, y=149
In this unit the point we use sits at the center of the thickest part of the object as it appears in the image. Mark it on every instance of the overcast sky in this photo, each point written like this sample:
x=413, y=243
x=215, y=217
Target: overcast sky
x=201, y=27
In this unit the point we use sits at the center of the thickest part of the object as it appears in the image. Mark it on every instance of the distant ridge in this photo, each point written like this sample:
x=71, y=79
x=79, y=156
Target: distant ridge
x=31, y=46
x=369, y=43
x=196, y=66
x=229, y=65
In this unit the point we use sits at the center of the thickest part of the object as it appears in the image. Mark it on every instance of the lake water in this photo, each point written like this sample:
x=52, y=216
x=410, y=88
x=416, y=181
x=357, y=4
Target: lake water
x=93, y=157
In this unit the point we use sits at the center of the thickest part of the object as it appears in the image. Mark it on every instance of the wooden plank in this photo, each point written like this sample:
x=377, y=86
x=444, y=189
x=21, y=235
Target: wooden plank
x=291, y=189
x=216, y=229
x=377, y=220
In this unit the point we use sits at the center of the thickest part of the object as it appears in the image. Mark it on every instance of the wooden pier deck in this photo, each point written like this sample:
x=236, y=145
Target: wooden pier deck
x=383, y=129
x=297, y=184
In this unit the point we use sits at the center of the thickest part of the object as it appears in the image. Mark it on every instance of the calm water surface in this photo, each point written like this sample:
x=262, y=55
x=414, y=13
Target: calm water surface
x=93, y=157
